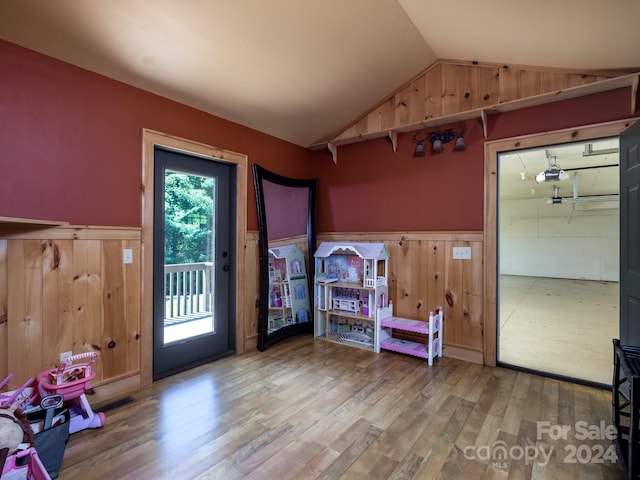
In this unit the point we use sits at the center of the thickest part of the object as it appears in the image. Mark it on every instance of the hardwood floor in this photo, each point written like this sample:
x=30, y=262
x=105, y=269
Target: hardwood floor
x=308, y=409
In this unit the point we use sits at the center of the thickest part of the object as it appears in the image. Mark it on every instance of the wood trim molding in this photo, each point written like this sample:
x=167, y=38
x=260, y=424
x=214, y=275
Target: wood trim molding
x=457, y=236
x=69, y=232
x=150, y=139
x=491, y=151
x=30, y=221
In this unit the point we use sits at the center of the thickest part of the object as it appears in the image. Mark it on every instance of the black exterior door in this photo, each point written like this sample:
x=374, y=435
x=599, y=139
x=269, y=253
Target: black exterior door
x=630, y=236
x=193, y=259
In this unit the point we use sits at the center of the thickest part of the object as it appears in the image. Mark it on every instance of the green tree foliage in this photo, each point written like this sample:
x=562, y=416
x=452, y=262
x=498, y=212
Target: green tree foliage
x=188, y=217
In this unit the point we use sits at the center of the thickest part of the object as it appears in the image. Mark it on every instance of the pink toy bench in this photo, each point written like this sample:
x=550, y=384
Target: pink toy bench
x=432, y=329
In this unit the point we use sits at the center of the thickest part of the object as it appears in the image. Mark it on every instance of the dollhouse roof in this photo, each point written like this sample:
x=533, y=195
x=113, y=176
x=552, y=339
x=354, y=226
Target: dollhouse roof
x=375, y=251
x=284, y=251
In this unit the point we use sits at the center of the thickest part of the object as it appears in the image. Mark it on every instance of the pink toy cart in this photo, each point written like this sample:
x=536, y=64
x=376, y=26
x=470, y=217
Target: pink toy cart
x=71, y=379
x=24, y=465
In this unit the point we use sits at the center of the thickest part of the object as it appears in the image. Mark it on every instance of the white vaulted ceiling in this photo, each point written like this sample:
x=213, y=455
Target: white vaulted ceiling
x=302, y=71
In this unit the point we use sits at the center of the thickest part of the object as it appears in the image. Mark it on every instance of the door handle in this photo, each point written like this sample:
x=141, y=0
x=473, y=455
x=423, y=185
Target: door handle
x=225, y=268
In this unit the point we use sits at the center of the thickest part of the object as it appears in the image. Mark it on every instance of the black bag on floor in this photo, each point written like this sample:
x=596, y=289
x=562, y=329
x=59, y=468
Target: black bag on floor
x=50, y=441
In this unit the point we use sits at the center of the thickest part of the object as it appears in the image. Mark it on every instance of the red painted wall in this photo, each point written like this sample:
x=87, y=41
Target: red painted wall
x=70, y=149
x=372, y=189
x=71, y=142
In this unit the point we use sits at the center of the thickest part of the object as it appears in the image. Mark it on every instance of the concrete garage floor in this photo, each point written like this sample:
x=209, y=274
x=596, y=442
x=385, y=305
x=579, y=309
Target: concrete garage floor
x=559, y=326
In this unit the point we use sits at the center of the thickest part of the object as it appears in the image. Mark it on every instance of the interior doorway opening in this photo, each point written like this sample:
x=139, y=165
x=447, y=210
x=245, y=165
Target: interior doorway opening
x=558, y=258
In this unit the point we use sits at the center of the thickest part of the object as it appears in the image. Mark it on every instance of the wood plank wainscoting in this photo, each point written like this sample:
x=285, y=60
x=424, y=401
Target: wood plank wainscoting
x=252, y=289
x=66, y=289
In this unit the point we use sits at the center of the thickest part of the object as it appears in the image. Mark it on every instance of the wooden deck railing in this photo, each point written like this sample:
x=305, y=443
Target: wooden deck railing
x=187, y=289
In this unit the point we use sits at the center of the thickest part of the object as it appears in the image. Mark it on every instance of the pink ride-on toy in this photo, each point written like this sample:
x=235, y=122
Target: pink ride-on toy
x=71, y=380
x=21, y=397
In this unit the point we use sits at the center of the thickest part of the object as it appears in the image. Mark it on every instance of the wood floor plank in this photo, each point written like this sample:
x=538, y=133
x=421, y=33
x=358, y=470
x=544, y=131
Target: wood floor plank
x=473, y=382
x=403, y=432
x=308, y=409
x=383, y=468
x=350, y=454
x=408, y=468
x=503, y=384
x=473, y=469
x=455, y=465
x=495, y=474
x=318, y=464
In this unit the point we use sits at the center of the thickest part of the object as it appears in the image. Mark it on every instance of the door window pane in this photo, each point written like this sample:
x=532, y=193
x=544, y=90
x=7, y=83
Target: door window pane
x=189, y=243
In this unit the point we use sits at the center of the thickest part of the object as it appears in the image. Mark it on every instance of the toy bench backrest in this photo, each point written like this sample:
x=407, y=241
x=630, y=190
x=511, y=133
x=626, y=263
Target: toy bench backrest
x=436, y=319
